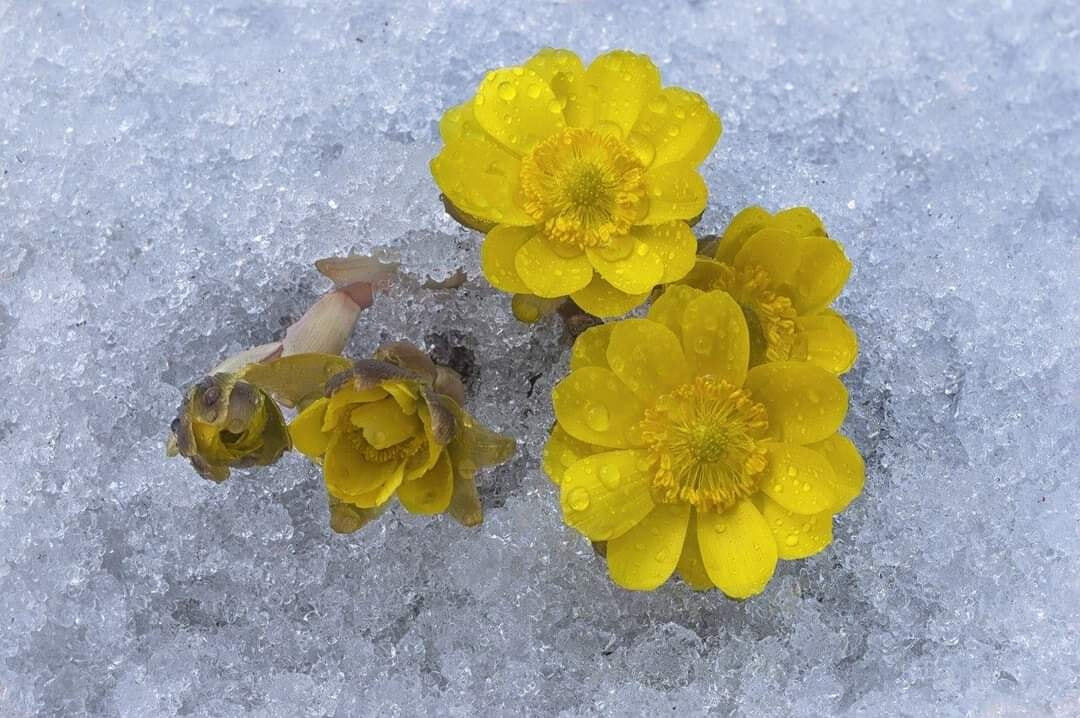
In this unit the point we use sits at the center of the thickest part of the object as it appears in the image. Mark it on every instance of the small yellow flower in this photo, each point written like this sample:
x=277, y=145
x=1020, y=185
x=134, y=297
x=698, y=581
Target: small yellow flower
x=583, y=179
x=784, y=271
x=671, y=451
x=397, y=429
x=227, y=422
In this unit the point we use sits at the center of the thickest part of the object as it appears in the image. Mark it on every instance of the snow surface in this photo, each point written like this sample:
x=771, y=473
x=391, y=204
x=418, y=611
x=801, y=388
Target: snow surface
x=170, y=171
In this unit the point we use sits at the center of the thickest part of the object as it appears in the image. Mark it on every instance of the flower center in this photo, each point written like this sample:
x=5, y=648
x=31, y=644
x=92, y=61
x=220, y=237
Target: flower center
x=583, y=188
x=703, y=440
x=397, y=452
x=770, y=317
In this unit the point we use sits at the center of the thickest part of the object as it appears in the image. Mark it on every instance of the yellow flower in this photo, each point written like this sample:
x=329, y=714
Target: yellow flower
x=397, y=429
x=784, y=271
x=583, y=179
x=671, y=451
x=227, y=422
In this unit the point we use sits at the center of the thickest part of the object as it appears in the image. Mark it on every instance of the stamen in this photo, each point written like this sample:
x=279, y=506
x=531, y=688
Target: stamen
x=583, y=188
x=703, y=441
x=770, y=316
x=397, y=452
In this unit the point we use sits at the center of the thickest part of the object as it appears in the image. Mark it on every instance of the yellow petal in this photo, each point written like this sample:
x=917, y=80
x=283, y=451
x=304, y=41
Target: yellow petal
x=306, y=430
x=799, y=479
x=349, y=475
x=830, y=342
x=481, y=179
x=549, y=274
x=384, y=424
x=565, y=74
x=796, y=535
x=823, y=270
x=604, y=495
x=676, y=191
x=497, y=254
x=458, y=122
x=344, y=399
x=849, y=471
x=628, y=264
x=737, y=548
x=529, y=308
x=647, y=357
x=715, y=338
x=705, y=143
x=743, y=226
x=403, y=393
x=669, y=307
x=516, y=107
x=672, y=124
x=800, y=221
x=624, y=82
x=562, y=451
x=805, y=403
x=590, y=348
x=430, y=494
x=592, y=405
x=707, y=274
x=674, y=243
x=645, y=556
x=297, y=378
x=774, y=250
x=691, y=565
x=603, y=300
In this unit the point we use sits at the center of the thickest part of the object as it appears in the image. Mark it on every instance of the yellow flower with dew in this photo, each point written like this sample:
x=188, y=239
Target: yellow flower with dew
x=226, y=422
x=784, y=271
x=395, y=426
x=672, y=452
x=584, y=179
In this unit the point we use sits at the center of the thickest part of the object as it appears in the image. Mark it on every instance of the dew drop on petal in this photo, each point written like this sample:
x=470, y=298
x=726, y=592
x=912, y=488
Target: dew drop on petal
x=507, y=91
x=596, y=417
x=578, y=499
x=610, y=476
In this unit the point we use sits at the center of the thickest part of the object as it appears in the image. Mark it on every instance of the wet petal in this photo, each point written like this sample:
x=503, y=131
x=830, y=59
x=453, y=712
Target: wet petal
x=306, y=430
x=590, y=348
x=516, y=107
x=675, y=191
x=458, y=122
x=849, y=471
x=481, y=179
x=549, y=274
x=805, y=403
x=592, y=405
x=799, y=479
x=429, y=494
x=647, y=357
x=774, y=250
x=673, y=123
x=645, y=556
x=565, y=74
x=800, y=221
x=823, y=270
x=346, y=518
x=349, y=475
x=623, y=82
x=669, y=307
x=562, y=451
x=497, y=255
x=738, y=549
x=796, y=535
x=743, y=226
x=674, y=243
x=715, y=338
x=603, y=300
x=691, y=565
x=604, y=495
x=830, y=342
x=628, y=264
x=344, y=399
x=382, y=493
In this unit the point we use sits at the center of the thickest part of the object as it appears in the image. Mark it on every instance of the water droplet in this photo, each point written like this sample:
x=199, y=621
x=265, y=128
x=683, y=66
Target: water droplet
x=792, y=539
x=567, y=458
x=597, y=418
x=702, y=345
x=720, y=527
x=555, y=107
x=778, y=488
x=806, y=488
x=641, y=248
x=610, y=476
x=507, y=91
x=661, y=556
x=792, y=472
x=658, y=105
x=534, y=91
x=578, y=499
